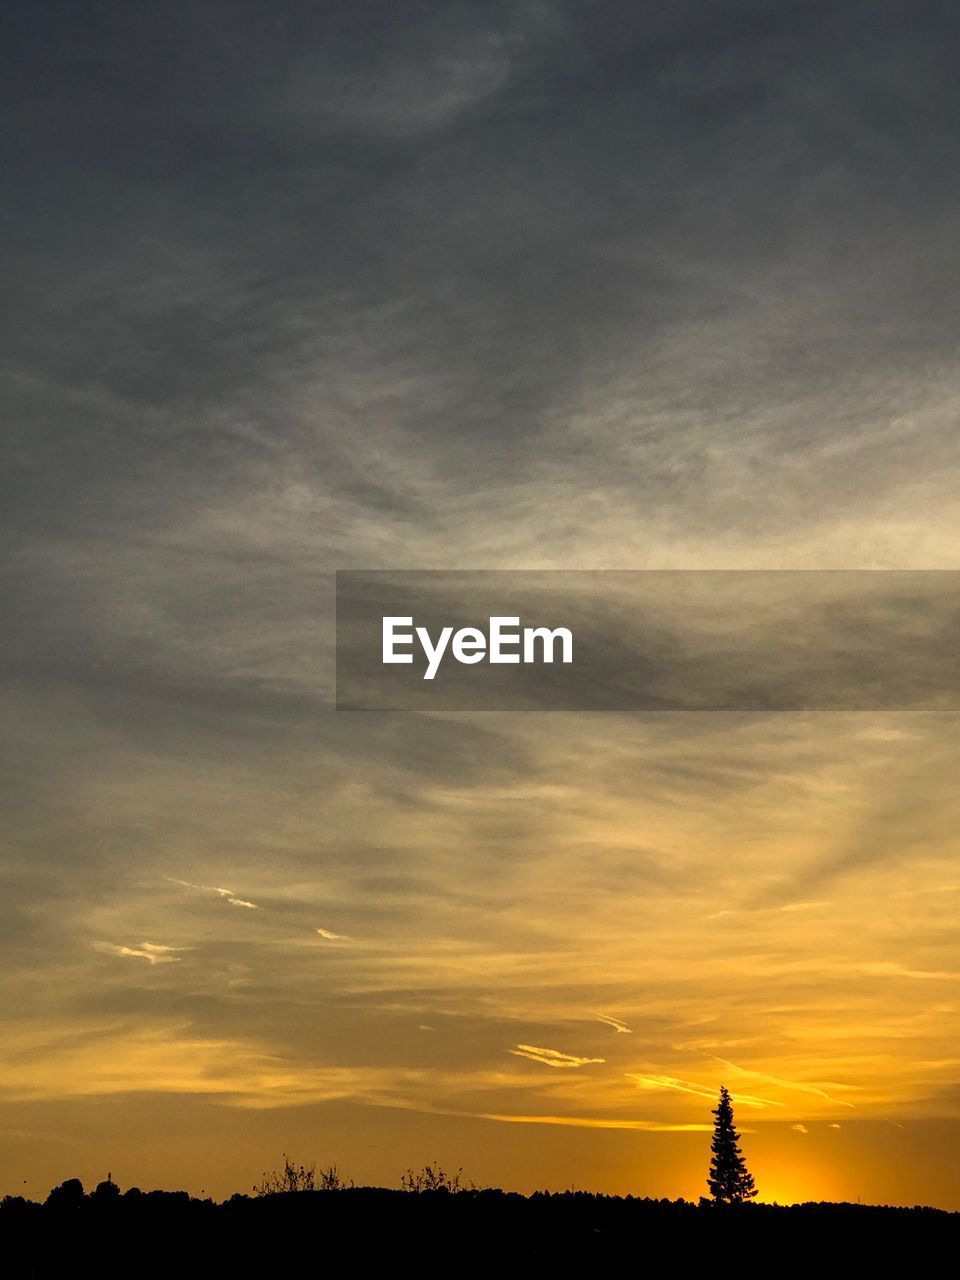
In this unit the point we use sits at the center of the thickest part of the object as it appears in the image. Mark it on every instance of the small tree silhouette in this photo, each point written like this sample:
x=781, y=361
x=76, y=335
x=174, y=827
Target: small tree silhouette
x=730, y=1181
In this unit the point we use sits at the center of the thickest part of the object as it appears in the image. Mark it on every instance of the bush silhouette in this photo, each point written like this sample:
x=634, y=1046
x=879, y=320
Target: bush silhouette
x=431, y=1178
x=302, y=1177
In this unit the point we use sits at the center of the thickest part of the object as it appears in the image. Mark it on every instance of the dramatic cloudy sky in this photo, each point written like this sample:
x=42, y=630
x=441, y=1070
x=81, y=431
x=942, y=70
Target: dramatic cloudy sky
x=521, y=284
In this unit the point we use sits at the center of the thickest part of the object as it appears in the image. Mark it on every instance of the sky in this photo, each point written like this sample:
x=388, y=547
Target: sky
x=543, y=284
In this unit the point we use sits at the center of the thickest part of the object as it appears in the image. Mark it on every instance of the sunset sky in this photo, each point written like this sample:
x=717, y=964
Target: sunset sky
x=531, y=284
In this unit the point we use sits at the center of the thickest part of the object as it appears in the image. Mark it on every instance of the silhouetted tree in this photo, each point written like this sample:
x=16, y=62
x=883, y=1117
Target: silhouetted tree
x=68, y=1195
x=107, y=1190
x=730, y=1181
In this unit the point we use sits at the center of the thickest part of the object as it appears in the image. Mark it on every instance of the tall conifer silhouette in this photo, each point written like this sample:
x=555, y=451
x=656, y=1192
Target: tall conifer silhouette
x=730, y=1181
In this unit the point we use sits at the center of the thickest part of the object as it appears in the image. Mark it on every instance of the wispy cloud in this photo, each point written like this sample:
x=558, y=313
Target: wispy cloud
x=755, y=909
x=934, y=889
x=816, y=1090
x=227, y=894
x=615, y=1023
x=551, y=1057
x=152, y=952
x=893, y=969
x=589, y=1122
x=800, y=1128
x=331, y=936
x=672, y=1084
x=169, y=1058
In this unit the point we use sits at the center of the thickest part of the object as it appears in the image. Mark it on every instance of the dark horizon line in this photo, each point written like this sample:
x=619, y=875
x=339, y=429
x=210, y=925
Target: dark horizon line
x=71, y=1193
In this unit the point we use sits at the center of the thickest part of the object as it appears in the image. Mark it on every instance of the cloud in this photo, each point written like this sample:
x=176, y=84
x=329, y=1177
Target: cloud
x=615, y=1023
x=893, y=969
x=228, y=894
x=551, y=1057
x=152, y=952
x=331, y=936
x=672, y=1084
x=403, y=96
x=586, y=1122
x=904, y=814
x=934, y=889
x=800, y=1128
x=816, y=1090
x=168, y=1058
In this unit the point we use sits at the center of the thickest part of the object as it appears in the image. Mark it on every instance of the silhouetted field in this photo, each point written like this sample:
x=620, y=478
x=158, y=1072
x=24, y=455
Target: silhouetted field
x=565, y=1234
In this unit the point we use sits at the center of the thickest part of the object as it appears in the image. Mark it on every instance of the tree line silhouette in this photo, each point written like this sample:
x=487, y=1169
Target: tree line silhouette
x=437, y=1216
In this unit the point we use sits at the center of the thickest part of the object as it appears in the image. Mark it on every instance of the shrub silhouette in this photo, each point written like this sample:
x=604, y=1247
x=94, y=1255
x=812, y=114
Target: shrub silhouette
x=293, y=1178
x=431, y=1178
x=331, y=1179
